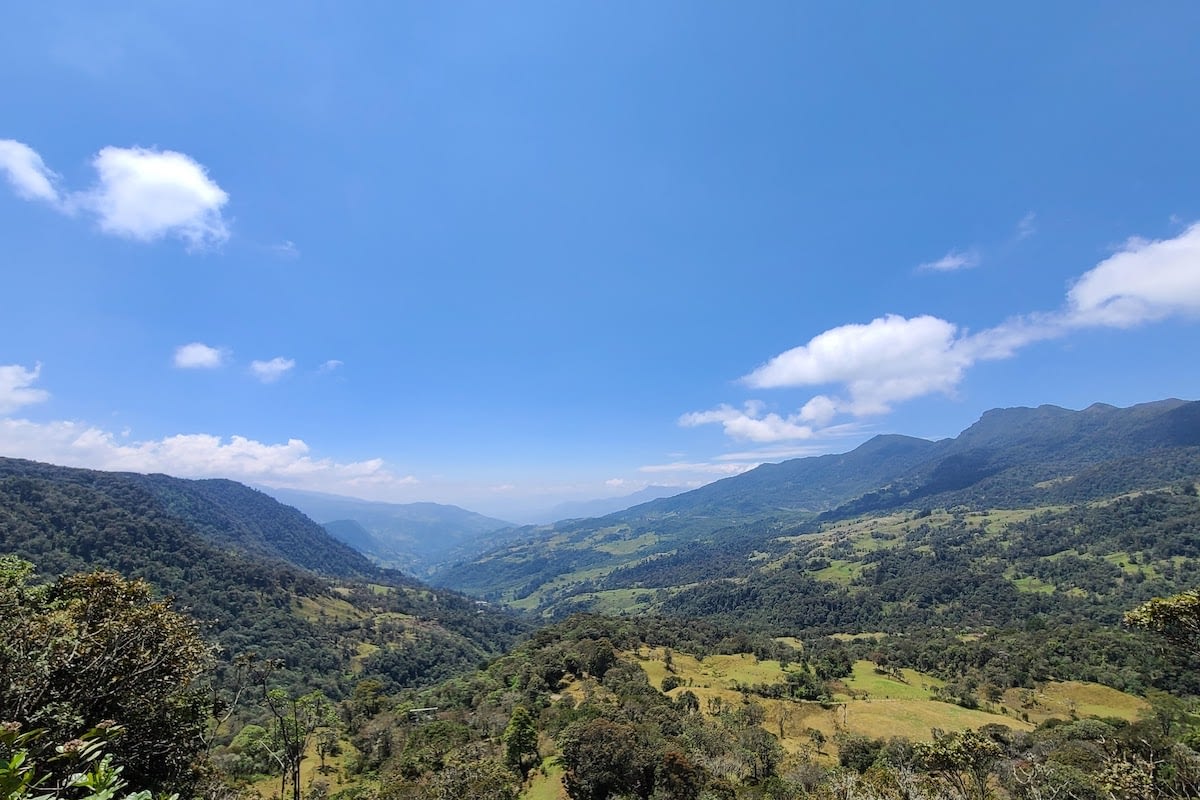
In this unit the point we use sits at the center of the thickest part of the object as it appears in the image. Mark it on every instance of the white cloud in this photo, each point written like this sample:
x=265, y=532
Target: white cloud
x=26, y=173
x=820, y=409
x=891, y=358
x=192, y=456
x=197, y=355
x=330, y=365
x=955, y=259
x=750, y=423
x=140, y=193
x=1143, y=282
x=615, y=483
x=16, y=387
x=149, y=194
x=273, y=370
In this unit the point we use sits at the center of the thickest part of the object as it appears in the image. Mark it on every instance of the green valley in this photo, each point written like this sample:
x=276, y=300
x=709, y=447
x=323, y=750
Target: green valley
x=843, y=626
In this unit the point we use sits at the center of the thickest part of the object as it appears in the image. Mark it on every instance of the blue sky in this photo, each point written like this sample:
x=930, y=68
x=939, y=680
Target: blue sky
x=505, y=255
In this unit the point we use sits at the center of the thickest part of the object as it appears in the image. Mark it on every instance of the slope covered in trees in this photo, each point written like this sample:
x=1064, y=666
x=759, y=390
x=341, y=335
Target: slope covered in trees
x=219, y=549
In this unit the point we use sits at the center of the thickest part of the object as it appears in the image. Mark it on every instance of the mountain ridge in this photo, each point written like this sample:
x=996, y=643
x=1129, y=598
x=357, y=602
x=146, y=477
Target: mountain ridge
x=1009, y=458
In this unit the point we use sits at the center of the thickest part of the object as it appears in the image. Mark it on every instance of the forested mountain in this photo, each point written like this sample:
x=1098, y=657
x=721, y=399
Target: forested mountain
x=413, y=537
x=225, y=513
x=259, y=576
x=1038, y=461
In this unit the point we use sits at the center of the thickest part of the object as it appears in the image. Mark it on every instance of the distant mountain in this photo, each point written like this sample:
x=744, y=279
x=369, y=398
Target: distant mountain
x=1009, y=459
x=606, y=505
x=413, y=537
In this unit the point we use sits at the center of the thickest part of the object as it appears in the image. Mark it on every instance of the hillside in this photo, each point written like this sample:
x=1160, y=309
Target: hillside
x=258, y=575
x=413, y=537
x=654, y=707
x=606, y=505
x=786, y=524
x=225, y=513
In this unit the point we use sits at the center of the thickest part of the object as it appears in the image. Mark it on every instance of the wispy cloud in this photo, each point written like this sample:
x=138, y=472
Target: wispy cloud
x=751, y=423
x=871, y=367
x=287, y=249
x=29, y=177
x=1026, y=227
x=330, y=365
x=16, y=387
x=197, y=355
x=708, y=468
x=273, y=370
x=954, y=260
x=140, y=193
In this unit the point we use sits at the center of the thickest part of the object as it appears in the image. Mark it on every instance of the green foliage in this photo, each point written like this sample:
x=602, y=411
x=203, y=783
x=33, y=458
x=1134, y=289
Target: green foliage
x=604, y=759
x=79, y=769
x=961, y=763
x=95, y=647
x=1175, y=618
x=521, y=742
x=295, y=719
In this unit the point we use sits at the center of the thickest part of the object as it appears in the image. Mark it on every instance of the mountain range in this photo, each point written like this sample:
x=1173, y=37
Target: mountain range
x=1011, y=459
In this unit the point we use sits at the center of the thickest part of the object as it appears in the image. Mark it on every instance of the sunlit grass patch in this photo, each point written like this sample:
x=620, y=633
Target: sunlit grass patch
x=916, y=719
x=911, y=685
x=330, y=609
x=546, y=782
x=839, y=571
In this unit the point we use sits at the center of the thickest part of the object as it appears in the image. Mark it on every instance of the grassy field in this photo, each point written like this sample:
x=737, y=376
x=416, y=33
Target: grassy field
x=865, y=683
x=546, y=783
x=840, y=572
x=873, y=704
x=1069, y=699
x=332, y=609
x=615, y=602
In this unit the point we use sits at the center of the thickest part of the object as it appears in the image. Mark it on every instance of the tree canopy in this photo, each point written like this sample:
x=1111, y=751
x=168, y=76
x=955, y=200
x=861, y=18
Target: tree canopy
x=96, y=649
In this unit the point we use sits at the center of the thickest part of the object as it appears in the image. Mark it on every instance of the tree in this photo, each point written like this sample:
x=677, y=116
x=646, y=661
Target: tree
x=961, y=763
x=604, y=759
x=1175, y=618
x=521, y=742
x=294, y=720
x=96, y=648
x=471, y=779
